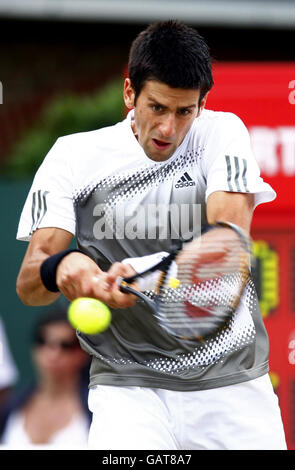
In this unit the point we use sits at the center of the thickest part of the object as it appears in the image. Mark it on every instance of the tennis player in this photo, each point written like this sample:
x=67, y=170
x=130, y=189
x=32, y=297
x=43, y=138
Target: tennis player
x=127, y=192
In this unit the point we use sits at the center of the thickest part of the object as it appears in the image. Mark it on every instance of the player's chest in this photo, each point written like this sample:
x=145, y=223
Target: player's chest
x=148, y=205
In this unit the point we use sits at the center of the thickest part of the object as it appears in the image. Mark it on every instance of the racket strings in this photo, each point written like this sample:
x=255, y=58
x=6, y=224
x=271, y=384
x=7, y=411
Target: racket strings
x=213, y=292
x=210, y=286
x=209, y=276
x=210, y=259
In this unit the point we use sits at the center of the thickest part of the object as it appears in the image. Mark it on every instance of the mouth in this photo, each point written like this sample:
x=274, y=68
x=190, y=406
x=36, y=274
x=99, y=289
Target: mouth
x=160, y=144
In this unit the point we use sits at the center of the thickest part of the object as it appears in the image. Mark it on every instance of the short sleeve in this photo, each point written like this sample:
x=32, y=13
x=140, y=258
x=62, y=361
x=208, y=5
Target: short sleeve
x=230, y=164
x=50, y=202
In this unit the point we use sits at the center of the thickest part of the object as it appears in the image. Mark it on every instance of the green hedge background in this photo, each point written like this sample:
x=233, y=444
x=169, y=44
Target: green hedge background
x=65, y=114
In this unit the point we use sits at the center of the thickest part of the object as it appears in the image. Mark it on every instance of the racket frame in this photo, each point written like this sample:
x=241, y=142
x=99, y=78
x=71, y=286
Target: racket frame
x=164, y=265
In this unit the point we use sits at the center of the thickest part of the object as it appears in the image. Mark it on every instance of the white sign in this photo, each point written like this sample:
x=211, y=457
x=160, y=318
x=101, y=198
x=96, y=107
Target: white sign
x=292, y=93
x=274, y=149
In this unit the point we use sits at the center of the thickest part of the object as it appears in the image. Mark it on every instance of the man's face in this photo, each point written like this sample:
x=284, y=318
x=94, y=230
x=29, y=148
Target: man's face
x=162, y=116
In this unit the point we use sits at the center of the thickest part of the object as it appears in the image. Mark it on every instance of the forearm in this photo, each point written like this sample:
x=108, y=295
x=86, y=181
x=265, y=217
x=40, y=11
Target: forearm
x=74, y=275
x=29, y=286
x=236, y=208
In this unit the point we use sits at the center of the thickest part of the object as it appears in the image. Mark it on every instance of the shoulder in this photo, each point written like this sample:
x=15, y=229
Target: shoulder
x=18, y=399
x=214, y=129
x=93, y=139
x=81, y=152
x=214, y=120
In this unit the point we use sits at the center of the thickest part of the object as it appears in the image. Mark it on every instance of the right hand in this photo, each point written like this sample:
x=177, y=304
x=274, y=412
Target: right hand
x=79, y=276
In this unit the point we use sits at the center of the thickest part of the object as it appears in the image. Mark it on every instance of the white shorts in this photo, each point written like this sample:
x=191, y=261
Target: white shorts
x=243, y=416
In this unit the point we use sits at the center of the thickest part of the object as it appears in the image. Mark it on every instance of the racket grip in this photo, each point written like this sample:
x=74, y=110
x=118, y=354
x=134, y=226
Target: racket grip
x=119, y=280
x=140, y=295
x=143, y=283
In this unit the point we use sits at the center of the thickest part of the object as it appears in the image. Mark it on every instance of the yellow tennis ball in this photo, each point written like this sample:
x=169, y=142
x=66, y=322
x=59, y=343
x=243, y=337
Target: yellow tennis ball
x=174, y=283
x=90, y=316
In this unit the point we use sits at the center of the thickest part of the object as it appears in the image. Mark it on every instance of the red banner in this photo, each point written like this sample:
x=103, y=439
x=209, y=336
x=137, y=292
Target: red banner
x=263, y=96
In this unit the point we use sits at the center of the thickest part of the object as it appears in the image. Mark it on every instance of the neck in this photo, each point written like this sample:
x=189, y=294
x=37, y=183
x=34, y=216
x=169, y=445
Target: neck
x=134, y=128
x=61, y=386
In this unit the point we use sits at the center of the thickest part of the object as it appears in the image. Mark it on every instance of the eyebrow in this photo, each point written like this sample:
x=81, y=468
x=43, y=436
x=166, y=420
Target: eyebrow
x=153, y=100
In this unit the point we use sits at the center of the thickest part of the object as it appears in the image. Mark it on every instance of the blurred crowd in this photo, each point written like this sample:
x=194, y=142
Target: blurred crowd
x=52, y=411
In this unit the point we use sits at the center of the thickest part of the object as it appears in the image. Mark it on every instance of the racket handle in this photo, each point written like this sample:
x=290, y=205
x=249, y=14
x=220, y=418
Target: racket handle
x=126, y=289
x=143, y=283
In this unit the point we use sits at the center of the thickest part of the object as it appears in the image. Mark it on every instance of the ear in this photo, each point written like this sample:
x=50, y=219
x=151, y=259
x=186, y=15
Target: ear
x=202, y=104
x=129, y=94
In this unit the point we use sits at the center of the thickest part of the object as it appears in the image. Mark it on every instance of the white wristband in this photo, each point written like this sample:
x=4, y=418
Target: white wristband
x=143, y=263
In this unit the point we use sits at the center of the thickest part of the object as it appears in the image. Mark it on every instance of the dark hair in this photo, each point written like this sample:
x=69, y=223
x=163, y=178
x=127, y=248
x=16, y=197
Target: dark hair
x=57, y=315
x=173, y=53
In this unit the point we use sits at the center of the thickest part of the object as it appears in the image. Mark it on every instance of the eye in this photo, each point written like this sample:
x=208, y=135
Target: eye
x=184, y=111
x=157, y=108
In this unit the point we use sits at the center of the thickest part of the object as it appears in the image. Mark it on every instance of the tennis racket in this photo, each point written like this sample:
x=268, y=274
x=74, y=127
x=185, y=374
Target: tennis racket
x=199, y=283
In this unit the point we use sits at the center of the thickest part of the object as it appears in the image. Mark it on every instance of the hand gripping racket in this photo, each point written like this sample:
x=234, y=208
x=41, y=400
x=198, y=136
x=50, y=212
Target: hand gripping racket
x=209, y=277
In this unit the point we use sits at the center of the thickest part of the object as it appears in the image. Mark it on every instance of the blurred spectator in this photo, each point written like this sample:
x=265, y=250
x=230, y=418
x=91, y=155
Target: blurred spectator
x=53, y=412
x=8, y=370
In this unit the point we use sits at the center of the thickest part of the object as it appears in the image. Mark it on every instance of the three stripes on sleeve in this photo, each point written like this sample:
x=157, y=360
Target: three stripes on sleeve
x=236, y=174
x=39, y=208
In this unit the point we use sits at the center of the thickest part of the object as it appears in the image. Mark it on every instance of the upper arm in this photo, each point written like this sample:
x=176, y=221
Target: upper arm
x=49, y=202
x=230, y=166
x=231, y=207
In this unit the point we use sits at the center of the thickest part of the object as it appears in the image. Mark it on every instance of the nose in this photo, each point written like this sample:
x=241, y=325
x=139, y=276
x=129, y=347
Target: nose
x=53, y=350
x=168, y=126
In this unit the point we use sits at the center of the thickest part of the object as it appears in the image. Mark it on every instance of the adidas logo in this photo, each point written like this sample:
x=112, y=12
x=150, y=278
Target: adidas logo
x=185, y=181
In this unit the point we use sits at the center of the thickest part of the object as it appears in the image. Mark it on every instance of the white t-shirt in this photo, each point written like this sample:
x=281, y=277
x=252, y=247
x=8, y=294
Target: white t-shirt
x=219, y=143
x=8, y=369
x=72, y=436
x=103, y=188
